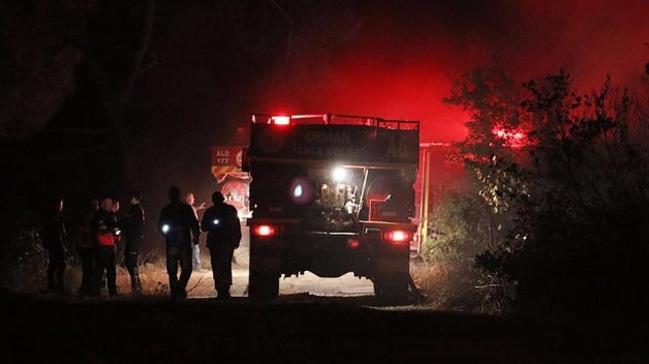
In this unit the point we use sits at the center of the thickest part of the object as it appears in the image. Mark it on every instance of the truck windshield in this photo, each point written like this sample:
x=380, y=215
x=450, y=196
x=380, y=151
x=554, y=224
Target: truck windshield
x=332, y=198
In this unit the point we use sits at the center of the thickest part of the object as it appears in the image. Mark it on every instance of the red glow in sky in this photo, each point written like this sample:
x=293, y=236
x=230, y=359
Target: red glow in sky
x=404, y=58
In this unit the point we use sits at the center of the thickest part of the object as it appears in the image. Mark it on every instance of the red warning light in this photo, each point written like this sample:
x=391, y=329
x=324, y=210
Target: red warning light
x=353, y=243
x=281, y=120
x=397, y=236
x=264, y=231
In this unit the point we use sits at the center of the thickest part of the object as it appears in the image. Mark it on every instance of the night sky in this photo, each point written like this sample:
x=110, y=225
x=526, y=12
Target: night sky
x=401, y=57
x=101, y=105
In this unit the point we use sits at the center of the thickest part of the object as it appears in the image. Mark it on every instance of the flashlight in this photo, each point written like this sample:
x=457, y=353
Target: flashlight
x=215, y=222
x=117, y=231
x=165, y=228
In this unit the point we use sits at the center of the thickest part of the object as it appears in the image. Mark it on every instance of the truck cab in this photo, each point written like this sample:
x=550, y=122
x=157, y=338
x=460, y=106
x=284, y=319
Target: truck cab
x=331, y=194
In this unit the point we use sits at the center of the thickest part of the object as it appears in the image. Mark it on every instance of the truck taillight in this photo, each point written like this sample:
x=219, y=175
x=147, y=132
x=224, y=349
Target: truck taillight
x=281, y=120
x=353, y=243
x=265, y=231
x=397, y=237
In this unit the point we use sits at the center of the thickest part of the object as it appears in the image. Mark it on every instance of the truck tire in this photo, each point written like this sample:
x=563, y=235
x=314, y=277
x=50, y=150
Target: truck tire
x=263, y=286
x=392, y=289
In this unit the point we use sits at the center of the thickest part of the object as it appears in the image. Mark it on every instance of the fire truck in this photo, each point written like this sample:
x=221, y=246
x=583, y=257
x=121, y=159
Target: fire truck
x=331, y=194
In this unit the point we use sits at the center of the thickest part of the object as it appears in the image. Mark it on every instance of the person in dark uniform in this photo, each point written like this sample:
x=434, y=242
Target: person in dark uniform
x=221, y=223
x=180, y=229
x=134, y=235
x=87, y=248
x=54, y=241
x=104, y=227
x=119, y=242
x=196, y=251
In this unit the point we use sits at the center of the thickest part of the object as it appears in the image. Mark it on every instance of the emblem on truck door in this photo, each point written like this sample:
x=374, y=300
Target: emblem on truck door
x=270, y=141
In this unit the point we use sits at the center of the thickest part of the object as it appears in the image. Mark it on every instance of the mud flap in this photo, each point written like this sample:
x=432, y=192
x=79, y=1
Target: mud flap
x=263, y=286
x=263, y=278
x=392, y=288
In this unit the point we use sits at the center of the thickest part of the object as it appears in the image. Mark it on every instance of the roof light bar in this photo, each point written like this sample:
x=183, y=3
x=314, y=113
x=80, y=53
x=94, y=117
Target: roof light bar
x=281, y=120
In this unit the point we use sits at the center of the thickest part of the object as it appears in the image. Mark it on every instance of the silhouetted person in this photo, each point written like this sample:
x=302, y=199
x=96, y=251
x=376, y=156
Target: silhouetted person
x=134, y=236
x=223, y=236
x=87, y=249
x=54, y=241
x=196, y=250
x=104, y=228
x=120, y=256
x=180, y=229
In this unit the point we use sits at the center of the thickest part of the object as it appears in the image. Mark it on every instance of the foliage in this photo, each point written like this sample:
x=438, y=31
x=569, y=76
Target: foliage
x=39, y=71
x=580, y=242
x=463, y=226
x=23, y=259
x=575, y=194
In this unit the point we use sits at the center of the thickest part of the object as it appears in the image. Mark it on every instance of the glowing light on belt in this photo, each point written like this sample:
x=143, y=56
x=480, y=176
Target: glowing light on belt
x=215, y=222
x=297, y=191
x=339, y=174
x=165, y=228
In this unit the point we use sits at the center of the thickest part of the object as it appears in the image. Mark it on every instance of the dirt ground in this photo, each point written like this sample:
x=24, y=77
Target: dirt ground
x=201, y=284
x=306, y=329
x=313, y=321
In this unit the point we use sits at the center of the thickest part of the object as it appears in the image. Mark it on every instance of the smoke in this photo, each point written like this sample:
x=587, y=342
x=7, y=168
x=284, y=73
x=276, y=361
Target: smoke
x=399, y=59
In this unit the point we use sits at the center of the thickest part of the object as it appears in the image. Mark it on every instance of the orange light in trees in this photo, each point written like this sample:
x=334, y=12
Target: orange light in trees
x=511, y=138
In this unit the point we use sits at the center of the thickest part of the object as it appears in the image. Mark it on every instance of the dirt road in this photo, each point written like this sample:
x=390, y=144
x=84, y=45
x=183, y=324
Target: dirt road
x=202, y=285
x=305, y=330
x=314, y=321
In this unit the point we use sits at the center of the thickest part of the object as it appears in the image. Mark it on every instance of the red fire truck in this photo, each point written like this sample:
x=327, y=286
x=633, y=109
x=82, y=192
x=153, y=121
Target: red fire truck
x=331, y=194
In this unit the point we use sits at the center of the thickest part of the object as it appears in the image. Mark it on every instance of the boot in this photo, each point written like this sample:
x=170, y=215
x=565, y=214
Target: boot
x=136, y=285
x=223, y=293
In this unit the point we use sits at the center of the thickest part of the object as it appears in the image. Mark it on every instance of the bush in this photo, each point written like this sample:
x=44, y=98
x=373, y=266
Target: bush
x=23, y=258
x=462, y=226
x=575, y=195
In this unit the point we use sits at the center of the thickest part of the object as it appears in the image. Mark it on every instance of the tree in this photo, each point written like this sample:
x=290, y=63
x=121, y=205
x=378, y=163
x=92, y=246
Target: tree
x=38, y=72
x=477, y=216
x=576, y=192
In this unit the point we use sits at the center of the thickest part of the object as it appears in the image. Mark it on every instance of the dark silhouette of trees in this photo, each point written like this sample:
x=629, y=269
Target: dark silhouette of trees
x=575, y=193
x=39, y=60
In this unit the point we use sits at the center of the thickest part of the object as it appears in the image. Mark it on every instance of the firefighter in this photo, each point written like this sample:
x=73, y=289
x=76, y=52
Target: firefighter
x=104, y=227
x=196, y=251
x=223, y=236
x=180, y=229
x=87, y=247
x=134, y=236
x=54, y=241
x=119, y=244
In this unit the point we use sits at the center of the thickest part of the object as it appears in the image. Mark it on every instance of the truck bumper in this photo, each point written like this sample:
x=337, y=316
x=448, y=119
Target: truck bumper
x=327, y=255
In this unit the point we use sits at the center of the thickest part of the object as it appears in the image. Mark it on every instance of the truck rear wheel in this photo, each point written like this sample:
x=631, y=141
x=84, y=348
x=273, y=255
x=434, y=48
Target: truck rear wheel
x=263, y=286
x=392, y=288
